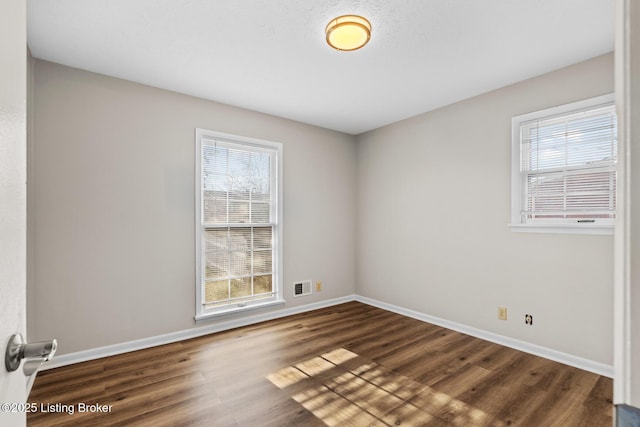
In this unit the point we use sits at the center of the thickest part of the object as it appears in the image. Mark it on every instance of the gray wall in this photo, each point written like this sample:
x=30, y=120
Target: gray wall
x=433, y=207
x=111, y=192
x=112, y=206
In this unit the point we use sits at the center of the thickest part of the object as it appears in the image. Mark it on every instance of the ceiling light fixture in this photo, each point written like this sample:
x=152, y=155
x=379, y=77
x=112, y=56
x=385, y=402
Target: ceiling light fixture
x=348, y=32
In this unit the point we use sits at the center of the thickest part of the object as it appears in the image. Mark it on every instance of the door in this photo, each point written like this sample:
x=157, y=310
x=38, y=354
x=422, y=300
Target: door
x=13, y=214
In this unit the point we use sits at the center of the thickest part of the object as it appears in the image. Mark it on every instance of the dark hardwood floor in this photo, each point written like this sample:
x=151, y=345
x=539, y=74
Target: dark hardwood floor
x=347, y=365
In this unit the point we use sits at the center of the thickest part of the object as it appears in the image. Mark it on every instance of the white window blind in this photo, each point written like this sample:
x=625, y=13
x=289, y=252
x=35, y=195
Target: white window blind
x=567, y=168
x=238, y=221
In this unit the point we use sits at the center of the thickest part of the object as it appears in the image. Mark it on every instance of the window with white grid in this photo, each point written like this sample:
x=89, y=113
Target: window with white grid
x=238, y=227
x=564, y=168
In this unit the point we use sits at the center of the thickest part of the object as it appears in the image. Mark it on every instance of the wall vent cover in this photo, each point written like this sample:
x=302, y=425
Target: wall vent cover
x=302, y=288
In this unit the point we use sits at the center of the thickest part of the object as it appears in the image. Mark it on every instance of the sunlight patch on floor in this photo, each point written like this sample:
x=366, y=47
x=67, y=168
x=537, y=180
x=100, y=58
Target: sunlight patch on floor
x=342, y=389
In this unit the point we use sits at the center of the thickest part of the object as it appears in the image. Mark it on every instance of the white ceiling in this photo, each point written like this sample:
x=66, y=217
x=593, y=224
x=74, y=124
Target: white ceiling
x=271, y=56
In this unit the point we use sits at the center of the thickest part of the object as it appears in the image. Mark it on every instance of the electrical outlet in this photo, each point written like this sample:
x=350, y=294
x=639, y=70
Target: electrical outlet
x=528, y=319
x=318, y=286
x=502, y=313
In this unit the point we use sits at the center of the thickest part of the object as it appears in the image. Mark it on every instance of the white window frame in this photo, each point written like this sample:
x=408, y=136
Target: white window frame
x=203, y=313
x=517, y=186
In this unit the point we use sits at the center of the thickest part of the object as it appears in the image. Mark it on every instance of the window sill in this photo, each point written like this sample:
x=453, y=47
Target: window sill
x=563, y=229
x=203, y=317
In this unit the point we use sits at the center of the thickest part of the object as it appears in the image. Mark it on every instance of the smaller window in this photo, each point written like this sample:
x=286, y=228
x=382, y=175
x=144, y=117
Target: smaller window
x=564, y=168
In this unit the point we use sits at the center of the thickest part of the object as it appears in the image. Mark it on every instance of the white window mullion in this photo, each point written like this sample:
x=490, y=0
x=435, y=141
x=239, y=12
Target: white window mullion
x=229, y=253
x=564, y=195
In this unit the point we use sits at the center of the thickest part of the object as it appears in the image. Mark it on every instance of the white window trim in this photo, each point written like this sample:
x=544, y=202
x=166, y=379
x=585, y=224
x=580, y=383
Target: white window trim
x=278, y=298
x=516, y=187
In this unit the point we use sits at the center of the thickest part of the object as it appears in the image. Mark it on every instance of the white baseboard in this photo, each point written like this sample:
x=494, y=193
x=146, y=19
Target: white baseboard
x=110, y=350
x=537, y=350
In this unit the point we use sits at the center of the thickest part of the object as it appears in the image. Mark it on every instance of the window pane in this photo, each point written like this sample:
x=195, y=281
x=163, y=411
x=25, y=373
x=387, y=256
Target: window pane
x=261, y=190
x=240, y=263
x=262, y=238
x=262, y=284
x=214, y=159
x=260, y=213
x=217, y=265
x=214, y=207
x=240, y=194
x=217, y=239
x=216, y=291
x=261, y=164
x=216, y=183
x=239, y=164
x=262, y=262
x=238, y=212
x=240, y=287
x=240, y=239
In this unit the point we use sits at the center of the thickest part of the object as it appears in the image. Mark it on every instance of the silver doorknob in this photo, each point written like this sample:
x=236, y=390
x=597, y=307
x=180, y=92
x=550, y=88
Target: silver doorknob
x=17, y=350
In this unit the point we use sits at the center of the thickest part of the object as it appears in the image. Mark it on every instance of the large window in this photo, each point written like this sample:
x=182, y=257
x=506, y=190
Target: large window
x=564, y=168
x=238, y=236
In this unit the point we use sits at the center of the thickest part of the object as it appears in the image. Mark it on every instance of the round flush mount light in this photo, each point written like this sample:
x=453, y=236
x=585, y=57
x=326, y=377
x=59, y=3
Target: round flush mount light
x=348, y=32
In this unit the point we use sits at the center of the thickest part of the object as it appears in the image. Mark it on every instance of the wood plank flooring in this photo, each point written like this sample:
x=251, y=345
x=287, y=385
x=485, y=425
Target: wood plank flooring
x=347, y=365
